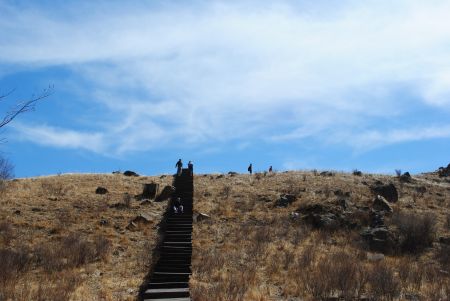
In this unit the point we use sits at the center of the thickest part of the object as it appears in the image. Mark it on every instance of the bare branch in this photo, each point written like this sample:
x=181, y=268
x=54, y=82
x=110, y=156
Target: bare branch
x=6, y=94
x=24, y=106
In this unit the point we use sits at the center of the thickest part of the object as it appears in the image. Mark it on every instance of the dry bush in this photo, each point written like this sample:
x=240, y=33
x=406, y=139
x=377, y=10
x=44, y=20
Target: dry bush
x=72, y=251
x=12, y=264
x=416, y=232
x=443, y=256
x=6, y=233
x=127, y=200
x=54, y=189
x=383, y=282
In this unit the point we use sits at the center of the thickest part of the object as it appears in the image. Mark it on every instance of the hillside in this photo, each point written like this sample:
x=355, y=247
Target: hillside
x=280, y=236
x=258, y=247
x=61, y=240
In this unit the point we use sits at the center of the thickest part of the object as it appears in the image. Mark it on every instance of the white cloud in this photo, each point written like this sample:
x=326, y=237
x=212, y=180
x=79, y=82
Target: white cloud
x=46, y=135
x=231, y=70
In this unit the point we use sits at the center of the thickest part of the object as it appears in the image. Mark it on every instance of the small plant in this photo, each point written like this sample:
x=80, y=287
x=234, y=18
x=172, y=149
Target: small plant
x=398, y=172
x=127, y=200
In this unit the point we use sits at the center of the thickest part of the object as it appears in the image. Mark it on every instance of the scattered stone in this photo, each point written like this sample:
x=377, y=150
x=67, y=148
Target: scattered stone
x=219, y=177
x=165, y=194
x=118, y=206
x=130, y=173
x=145, y=203
x=285, y=200
x=375, y=256
x=444, y=171
x=117, y=172
x=340, y=193
x=104, y=222
x=101, y=190
x=17, y=212
x=141, y=219
x=381, y=204
x=344, y=203
x=232, y=173
x=198, y=217
x=406, y=177
x=445, y=240
x=380, y=239
x=150, y=191
x=326, y=174
x=357, y=173
x=35, y=209
x=389, y=192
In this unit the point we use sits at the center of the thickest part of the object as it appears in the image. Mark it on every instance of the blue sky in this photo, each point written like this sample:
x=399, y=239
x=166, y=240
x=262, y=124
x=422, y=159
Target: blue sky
x=294, y=84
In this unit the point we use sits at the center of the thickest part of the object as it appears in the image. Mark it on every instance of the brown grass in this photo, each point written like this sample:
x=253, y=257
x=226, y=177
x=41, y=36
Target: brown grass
x=251, y=250
x=61, y=241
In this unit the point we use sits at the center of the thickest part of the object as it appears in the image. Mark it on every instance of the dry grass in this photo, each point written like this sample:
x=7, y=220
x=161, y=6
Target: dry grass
x=252, y=250
x=61, y=241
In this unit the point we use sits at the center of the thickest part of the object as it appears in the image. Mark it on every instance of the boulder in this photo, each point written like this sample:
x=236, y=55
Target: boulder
x=380, y=239
x=285, y=200
x=198, y=217
x=117, y=172
x=165, y=194
x=406, y=177
x=375, y=256
x=388, y=191
x=232, y=173
x=141, y=219
x=150, y=191
x=130, y=173
x=101, y=190
x=381, y=204
x=326, y=174
x=444, y=171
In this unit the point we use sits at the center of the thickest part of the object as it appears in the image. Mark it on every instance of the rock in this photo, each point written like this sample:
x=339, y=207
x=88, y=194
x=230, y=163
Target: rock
x=118, y=206
x=198, y=217
x=375, y=256
x=376, y=218
x=344, y=203
x=117, y=172
x=104, y=222
x=444, y=171
x=406, y=177
x=145, y=203
x=326, y=174
x=130, y=173
x=445, y=240
x=357, y=173
x=232, y=173
x=285, y=200
x=412, y=297
x=381, y=204
x=150, y=191
x=340, y=193
x=101, y=190
x=389, y=192
x=141, y=219
x=380, y=239
x=35, y=209
x=17, y=212
x=328, y=220
x=165, y=194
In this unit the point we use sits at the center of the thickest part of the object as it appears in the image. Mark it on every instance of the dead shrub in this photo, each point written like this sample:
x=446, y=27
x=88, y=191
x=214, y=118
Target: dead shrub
x=383, y=283
x=102, y=245
x=77, y=251
x=12, y=263
x=127, y=200
x=416, y=232
x=443, y=256
x=6, y=233
x=58, y=286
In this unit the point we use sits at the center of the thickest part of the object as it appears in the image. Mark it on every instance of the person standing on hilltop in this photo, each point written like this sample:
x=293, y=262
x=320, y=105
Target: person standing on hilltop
x=191, y=168
x=179, y=167
x=270, y=169
x=250, y=168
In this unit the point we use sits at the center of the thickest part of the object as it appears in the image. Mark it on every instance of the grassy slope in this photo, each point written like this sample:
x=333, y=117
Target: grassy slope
x=55, y=208
x=250, y=250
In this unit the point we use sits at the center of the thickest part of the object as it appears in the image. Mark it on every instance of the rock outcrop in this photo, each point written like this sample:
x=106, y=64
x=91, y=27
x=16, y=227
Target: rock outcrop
x=388, y=191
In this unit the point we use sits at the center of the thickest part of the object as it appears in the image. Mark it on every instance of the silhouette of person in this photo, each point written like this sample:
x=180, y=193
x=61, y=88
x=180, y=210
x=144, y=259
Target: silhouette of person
x=177, y=206
x=270, y=168
x=250, y=168
x=179, y=167
x=191, y=168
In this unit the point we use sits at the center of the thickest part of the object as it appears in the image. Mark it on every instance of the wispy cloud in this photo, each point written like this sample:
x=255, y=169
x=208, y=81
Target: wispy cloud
x=225, y=70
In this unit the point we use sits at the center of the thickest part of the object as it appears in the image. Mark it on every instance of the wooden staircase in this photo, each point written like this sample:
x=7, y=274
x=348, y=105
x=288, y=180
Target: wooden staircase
x=170, y=278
